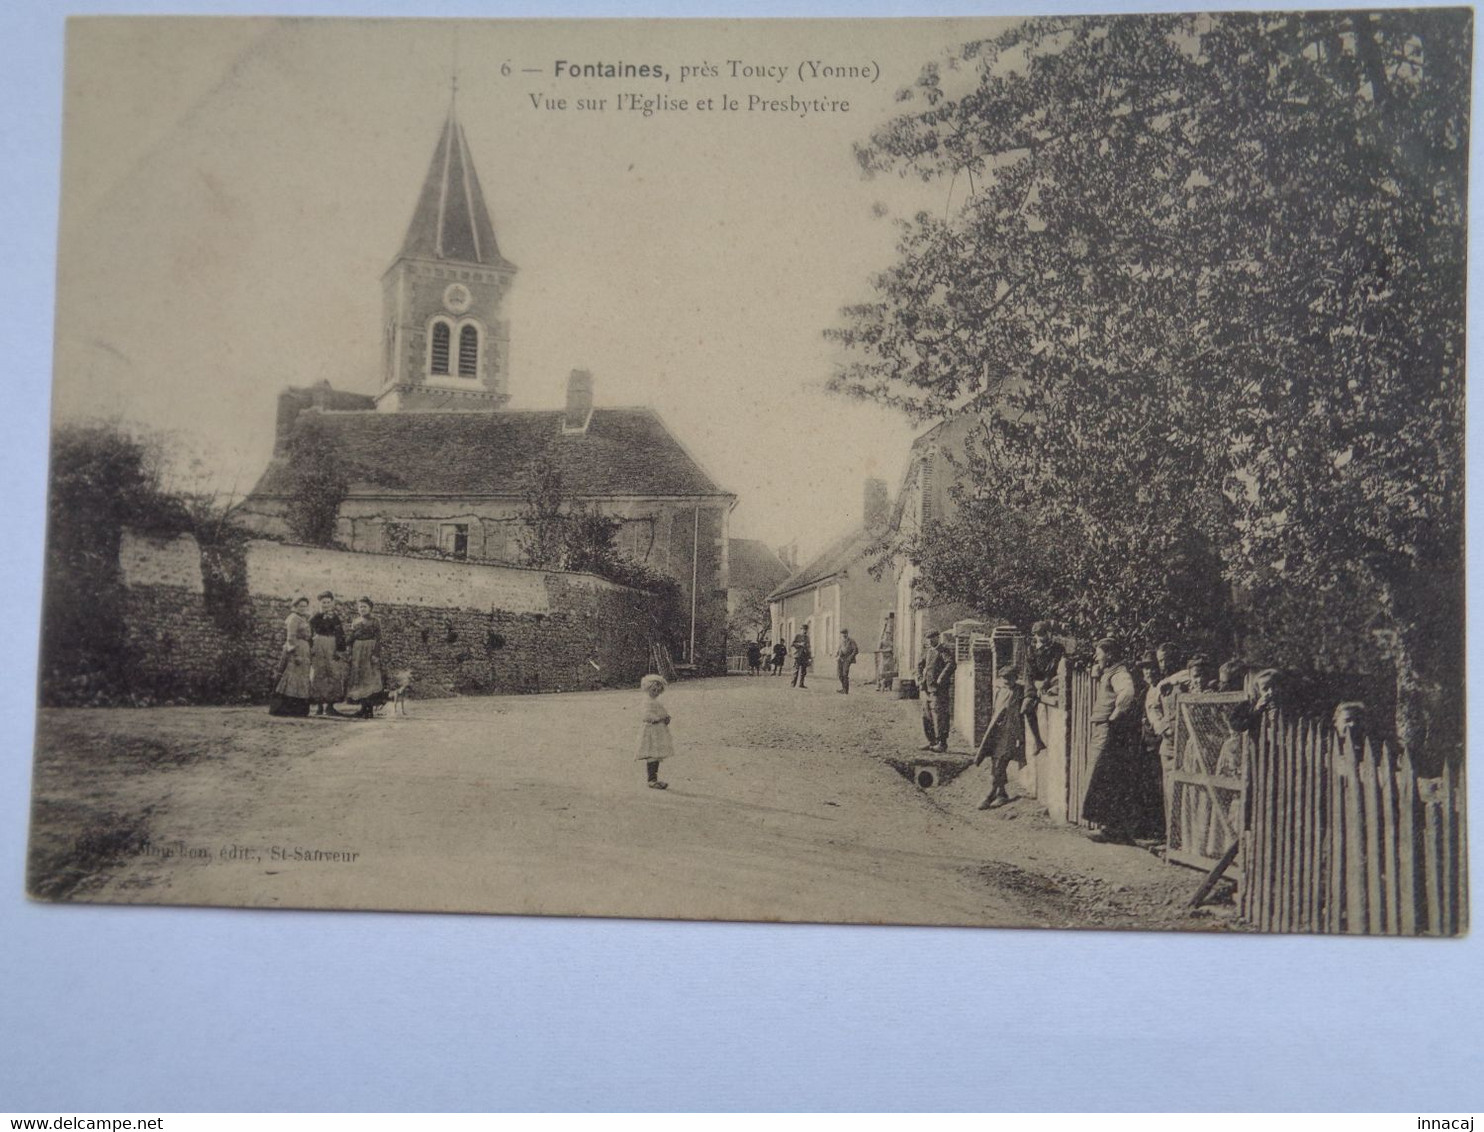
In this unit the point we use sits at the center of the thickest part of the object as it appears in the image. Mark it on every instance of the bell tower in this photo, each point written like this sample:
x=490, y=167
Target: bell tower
x=445, y=347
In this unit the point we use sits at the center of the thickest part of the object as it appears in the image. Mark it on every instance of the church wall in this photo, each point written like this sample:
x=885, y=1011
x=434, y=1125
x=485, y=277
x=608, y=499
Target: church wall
x=461, y=627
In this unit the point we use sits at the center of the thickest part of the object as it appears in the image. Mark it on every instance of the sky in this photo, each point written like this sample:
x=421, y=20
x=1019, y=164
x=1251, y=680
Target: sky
x=233, y=190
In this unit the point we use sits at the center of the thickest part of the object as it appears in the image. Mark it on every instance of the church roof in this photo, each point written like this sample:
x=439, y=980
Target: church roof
x=451, y=221
x=624, y=452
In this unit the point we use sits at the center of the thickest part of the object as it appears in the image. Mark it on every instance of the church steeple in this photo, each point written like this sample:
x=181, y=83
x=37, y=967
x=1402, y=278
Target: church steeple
x=446, y=347
x=451, y=221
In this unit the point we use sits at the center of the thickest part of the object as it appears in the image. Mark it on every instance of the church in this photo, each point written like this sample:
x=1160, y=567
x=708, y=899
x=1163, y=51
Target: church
x=437, y=464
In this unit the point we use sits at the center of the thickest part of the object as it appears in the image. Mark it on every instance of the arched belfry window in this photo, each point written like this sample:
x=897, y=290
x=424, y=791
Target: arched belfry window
x=469, y=350
x=438, y=360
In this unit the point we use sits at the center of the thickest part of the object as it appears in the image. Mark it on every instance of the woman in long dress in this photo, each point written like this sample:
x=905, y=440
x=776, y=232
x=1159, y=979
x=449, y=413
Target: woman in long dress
x=326, y=670
x=291, y=693
x=365, y=658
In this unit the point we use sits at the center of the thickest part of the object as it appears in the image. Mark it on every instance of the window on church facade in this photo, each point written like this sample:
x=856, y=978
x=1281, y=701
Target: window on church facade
x=438, y=362
x=469, y=351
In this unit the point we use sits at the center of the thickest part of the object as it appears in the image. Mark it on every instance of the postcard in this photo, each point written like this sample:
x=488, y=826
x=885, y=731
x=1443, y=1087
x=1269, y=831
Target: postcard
x=989, y=472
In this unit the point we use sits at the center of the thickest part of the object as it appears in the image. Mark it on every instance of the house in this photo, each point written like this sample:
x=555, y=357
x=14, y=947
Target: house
x=838, y=590
x=924, y=498
x=435, y=463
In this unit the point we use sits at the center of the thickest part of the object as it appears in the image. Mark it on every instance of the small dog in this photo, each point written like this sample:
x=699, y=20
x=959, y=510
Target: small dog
x=400, y=692
x=396, y=695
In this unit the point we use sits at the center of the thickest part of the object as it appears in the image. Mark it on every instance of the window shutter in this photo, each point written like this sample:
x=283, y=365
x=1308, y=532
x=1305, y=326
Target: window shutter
x=469, y=352
x=440, y=348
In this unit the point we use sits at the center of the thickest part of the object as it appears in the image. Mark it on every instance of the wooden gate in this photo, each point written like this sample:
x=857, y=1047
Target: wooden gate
x=1208, y=786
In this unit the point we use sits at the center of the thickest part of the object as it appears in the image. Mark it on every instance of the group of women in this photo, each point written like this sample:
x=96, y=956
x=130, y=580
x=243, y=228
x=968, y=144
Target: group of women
x=327, y=663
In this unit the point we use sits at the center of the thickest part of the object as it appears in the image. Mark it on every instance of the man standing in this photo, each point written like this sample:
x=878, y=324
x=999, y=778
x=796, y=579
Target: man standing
x=1004, y=739
x=803, y=657
x=780, y=654
x=844, y=657
x=937, y=686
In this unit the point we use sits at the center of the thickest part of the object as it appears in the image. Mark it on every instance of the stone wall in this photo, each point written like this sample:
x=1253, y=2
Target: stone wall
x=459, y=627
x=674, y=537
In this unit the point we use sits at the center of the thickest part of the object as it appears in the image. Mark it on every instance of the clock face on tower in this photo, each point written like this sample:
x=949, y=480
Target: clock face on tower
x=456, y=298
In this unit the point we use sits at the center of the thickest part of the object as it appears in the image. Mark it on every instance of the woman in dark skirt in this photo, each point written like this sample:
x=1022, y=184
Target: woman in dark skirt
x=365, y=658
x=326, y=669
x=1124, y=794
x=291, y=693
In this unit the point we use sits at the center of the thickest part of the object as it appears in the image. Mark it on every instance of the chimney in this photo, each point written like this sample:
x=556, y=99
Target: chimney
x=579, y=401
x=876, y=504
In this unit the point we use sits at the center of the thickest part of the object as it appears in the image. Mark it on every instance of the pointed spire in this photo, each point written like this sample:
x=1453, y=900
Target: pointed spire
x=451, y=221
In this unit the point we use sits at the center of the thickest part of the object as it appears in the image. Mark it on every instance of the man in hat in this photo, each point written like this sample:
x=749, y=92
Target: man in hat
x=1004, y=739
x=803, y=657
x=844, y=657
x=937, y=688
x=1042, y=665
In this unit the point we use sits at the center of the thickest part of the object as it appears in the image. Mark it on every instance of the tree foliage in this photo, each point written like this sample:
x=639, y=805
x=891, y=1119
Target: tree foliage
x=102, y=479
x=562, y=532
x=1206, y=289
x=750, y=619
x=319, y=482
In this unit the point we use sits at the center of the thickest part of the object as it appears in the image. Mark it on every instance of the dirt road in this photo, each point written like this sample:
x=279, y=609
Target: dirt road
x=780, y=808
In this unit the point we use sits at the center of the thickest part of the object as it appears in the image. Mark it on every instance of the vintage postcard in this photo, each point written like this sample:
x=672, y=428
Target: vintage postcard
x=988, y=472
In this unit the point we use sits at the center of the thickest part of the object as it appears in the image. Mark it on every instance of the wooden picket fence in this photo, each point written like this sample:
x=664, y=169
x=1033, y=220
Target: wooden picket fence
x=1340, y=840
x=1334, y=840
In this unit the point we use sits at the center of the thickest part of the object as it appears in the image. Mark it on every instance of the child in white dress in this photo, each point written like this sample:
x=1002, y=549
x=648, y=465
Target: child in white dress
x=654, y=732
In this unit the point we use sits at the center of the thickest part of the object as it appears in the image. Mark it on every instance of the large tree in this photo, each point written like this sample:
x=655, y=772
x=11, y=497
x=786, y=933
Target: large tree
x=1205, y=286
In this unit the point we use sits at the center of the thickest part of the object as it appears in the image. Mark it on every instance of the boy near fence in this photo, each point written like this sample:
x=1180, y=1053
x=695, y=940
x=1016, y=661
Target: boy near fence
x=655, y=744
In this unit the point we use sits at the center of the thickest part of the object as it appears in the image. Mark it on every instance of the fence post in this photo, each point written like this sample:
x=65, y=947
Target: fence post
x=1372, y=859
x=1355, y=915
x=1461, y=825
x=1407, y=807
x=1313, y=870
x=1428, y=791
x=1391, y=841
x=1448, y=852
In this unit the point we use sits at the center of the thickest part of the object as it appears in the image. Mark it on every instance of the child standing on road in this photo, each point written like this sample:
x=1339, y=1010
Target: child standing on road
x=654, y=734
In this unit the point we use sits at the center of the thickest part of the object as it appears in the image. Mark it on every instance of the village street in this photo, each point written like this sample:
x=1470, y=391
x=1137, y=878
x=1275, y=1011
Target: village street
x=781, y=807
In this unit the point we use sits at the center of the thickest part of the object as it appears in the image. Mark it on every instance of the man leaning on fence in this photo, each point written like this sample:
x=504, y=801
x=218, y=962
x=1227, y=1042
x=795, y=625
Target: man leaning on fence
x=1043, y=664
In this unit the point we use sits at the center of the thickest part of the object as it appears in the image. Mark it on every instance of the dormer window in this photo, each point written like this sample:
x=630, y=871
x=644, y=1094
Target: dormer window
x=469, y=350
x=438, y=358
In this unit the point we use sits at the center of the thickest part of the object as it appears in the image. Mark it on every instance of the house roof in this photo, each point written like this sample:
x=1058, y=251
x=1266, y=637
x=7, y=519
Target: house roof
x=835, y=559
x=451, y=221
x=624, y=452
x=754, y=565
x=949, y=433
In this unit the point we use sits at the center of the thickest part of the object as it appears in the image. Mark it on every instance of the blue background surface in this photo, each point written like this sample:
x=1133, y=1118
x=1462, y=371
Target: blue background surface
x=149, y=1009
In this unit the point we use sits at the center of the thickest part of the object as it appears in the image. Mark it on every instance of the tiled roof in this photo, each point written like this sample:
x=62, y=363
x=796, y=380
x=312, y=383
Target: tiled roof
x=451, y=221
x=836, y=558
x=754, y=565
x=623, y=452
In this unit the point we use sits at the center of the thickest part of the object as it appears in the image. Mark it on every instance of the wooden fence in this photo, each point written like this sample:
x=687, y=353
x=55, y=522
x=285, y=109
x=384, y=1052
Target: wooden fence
x=1346, y=840
x=1332, y=839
